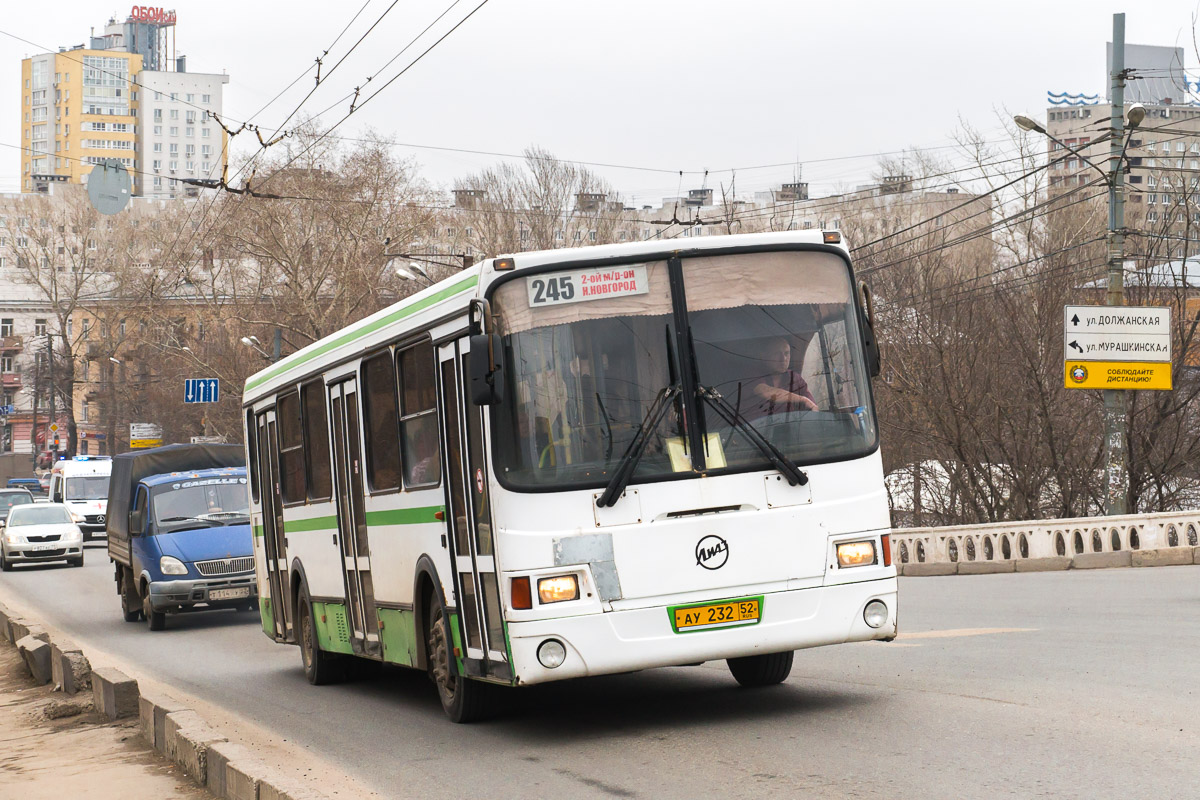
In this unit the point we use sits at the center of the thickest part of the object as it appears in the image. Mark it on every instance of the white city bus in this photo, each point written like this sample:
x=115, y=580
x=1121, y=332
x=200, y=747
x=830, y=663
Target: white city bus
x=581, y=462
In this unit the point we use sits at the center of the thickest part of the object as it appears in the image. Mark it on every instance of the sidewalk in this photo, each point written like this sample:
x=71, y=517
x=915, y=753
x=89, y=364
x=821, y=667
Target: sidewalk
x=54, y=746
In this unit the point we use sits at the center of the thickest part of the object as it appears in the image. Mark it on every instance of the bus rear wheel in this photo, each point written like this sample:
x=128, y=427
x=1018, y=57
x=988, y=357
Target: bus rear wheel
x=463, y=699
x=765, y=670
x=320, y=667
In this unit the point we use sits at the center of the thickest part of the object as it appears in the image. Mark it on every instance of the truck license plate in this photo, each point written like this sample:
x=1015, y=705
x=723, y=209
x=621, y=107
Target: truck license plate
x=229, y=594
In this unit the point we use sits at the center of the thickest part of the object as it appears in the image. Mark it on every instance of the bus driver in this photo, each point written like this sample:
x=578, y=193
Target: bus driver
x=780, y=390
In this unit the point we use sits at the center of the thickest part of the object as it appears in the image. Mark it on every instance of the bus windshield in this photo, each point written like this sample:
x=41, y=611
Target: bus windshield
x=87, y=487
x=202, y=502
x=594, y=358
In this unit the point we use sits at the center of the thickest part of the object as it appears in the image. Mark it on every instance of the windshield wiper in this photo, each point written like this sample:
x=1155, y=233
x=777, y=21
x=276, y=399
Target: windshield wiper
x=211, y=522
x=795, y=476
x=637, y=448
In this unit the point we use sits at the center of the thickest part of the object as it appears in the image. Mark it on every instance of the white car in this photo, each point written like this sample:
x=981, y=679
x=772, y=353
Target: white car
x=38, y=532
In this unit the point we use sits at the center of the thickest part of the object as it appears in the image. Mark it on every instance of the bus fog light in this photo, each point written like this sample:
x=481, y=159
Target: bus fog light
x=875, y=614
x=558, y=589
x=551, y=653
x=856, y=554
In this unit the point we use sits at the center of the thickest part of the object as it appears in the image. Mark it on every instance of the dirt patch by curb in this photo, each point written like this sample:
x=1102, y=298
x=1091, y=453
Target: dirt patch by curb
x=56, y=747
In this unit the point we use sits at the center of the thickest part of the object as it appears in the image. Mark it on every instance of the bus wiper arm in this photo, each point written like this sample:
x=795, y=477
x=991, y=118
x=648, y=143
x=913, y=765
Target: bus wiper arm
x=795, y=476
x=637, y=448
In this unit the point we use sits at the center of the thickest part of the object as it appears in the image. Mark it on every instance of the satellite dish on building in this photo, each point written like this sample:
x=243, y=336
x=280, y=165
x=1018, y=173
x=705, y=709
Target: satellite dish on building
x=109, y=186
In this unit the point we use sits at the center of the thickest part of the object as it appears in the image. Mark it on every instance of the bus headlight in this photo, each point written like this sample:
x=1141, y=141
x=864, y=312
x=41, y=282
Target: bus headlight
x=875, y=614
x=171, y=566
x=551, y=653
x=856, y=554
x=558, y=589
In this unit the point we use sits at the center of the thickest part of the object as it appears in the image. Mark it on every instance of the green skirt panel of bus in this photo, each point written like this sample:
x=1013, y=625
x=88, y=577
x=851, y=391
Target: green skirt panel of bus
x=333, y=631
x=398, y=632
x=267, y=614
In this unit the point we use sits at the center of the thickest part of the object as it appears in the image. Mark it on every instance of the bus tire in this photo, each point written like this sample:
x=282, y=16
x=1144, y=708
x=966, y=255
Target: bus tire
x=463, y=699
x=320, y=667
x=765, y=670
x=155, y=620
x=131, y=601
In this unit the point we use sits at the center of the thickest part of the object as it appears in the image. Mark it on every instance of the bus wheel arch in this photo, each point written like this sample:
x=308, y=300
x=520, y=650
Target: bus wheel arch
x=427, y=587
x=297, y=585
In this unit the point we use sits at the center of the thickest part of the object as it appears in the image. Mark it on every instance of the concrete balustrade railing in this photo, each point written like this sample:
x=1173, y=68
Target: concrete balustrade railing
x=1046, y=538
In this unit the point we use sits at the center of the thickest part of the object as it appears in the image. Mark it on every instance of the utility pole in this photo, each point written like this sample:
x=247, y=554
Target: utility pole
x=1116, y=420
x=50, y=373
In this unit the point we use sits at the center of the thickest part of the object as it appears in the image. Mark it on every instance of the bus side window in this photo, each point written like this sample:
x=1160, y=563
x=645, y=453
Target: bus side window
x=380, y=422
x=316, y=441
x=291, y=448
x=418, y=417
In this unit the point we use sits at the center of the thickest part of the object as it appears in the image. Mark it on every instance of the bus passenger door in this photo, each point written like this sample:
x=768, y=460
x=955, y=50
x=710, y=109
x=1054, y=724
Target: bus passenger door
x=352, y=525
x=274, y=541
x=472, y=551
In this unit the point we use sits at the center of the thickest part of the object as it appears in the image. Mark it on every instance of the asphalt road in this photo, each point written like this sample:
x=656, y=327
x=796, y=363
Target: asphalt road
x=1070, y=684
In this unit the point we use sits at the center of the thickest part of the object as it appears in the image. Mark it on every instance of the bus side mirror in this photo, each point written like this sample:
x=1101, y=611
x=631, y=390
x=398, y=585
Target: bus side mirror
x=486, y=361
x=870, y=342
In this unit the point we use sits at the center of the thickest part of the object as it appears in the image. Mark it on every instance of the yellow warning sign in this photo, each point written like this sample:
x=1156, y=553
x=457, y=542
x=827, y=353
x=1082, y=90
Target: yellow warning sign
x=137, y=444
x=1117, y=375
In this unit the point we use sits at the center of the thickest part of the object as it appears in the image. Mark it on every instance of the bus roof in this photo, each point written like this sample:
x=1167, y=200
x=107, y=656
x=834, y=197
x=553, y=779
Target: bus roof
x=453, y=294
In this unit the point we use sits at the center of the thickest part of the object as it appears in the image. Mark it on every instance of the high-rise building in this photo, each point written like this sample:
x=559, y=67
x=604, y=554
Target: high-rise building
x=1162, y=156
x=125, y=95
x=78, y=107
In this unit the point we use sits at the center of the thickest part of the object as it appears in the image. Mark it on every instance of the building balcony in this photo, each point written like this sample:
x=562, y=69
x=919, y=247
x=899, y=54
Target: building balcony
x=12, y=343
x=10, y=380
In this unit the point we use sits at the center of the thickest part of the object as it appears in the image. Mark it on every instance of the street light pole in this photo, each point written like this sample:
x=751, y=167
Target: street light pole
x=1116, y=419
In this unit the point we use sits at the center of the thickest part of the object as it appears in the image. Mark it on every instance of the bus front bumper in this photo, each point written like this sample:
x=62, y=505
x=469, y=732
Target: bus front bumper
x=625, y=641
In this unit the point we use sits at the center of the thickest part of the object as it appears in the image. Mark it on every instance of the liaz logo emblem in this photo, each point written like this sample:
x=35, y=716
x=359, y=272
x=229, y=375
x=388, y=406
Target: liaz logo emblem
x=712, y=552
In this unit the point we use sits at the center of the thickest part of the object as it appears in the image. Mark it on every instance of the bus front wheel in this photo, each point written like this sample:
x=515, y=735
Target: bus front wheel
x=463, y=699
x=765, y=670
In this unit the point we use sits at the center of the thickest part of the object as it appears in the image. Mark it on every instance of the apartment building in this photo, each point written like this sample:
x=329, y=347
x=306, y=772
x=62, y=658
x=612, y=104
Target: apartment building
x=124, y=95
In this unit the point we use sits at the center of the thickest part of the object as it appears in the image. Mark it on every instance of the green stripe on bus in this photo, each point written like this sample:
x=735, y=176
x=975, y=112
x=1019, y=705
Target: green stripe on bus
x=258, y=531
x=358, y=333
x=404, y=516
x=313, y=524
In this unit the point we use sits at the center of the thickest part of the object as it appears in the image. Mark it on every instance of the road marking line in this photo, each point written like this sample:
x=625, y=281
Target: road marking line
x=957, y=632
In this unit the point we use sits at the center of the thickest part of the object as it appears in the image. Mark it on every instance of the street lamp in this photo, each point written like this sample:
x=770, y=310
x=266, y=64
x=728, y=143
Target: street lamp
x=255, y=345
x=412, y=271
x=1116, y=421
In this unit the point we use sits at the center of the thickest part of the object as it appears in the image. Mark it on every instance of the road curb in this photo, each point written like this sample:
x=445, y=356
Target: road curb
x=115, y=694
x=1160, y=557
x=72, y=672
x=36, y=654
x=1121, y=558
x=228, y=770
x=985, y=567
x=1044, y=564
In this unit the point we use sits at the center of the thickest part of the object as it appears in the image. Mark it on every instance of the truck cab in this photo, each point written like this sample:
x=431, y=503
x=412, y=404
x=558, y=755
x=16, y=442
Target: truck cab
x=185, y=542
x=81, y=484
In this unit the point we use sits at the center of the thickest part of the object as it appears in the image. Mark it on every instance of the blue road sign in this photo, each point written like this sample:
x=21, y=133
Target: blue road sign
x=201, y=390
x=7, y=410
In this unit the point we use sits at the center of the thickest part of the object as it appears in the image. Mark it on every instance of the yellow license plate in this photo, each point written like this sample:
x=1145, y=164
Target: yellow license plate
x=717, y=615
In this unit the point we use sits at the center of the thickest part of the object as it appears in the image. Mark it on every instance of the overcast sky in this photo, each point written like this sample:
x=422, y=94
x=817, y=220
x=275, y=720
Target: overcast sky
x=663, y=84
